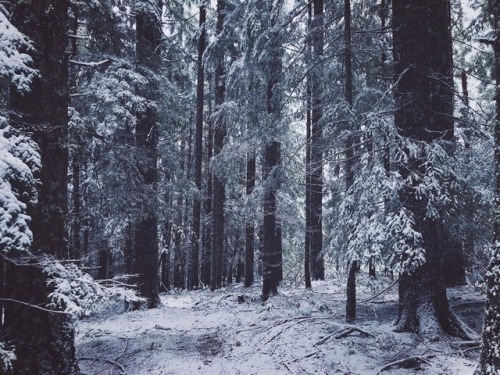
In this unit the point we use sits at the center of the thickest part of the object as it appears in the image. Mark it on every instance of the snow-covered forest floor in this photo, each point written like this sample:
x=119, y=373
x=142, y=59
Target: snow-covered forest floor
x=231, y=331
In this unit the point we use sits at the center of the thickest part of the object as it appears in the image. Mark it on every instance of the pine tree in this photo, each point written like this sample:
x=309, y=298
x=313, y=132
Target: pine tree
x=148, y=43
x=424, y=109
x=490, y=353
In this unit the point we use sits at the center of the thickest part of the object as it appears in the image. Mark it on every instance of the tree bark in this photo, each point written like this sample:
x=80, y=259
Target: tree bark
x=43, y=112
x=218, y=199
x=250, y=228
x=316, y=149
x=424, y=112
x=194, y=281
x=148, y=38
x=350, y=312
x=489, y=363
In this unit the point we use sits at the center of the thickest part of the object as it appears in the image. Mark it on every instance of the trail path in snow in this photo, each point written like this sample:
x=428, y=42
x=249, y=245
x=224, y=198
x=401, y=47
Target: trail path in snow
x=202, y=332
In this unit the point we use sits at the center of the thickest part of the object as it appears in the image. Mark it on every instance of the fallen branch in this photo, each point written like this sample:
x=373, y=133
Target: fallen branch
x=110, y=361
x=342, y=334
x=410, y=362
x=117, y=358
x=380, y=293
x=350, y=330
x=92, y=64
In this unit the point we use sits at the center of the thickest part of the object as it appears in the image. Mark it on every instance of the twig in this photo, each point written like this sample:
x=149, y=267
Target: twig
x=410, y=361
x=110, y=361
x=382, y=292
x=117, y=358
x=34, y=306
x=92, y=64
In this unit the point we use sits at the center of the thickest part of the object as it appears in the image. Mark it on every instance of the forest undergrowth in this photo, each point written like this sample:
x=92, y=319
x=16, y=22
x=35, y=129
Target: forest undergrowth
x=299, y=331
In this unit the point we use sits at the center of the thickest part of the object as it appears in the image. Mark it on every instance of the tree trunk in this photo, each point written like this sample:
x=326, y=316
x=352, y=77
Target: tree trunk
x=316, y=149
x=349, y=95
x=490, y=359
x=194, y=281
x=148, y=38
x=250, y=228
x=350, y=310
x=271, y=267
x=43, y=112
x=44, y=342
x=424, y=112
x=207, y=209
x=218, y=199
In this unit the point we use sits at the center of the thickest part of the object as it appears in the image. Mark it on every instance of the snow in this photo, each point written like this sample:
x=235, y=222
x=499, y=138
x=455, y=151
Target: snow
x=203, y=332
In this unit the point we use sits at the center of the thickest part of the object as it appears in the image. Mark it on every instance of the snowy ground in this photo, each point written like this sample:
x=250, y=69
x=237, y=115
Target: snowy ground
x=202, y=332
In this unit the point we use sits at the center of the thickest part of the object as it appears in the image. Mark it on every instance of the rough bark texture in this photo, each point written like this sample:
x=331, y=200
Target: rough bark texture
x=43, y=112
x=271, y=257
x=490, y=354
x=424, y=109
x=194, y=281
x=307, y=249
x=350, y=309
x=219, y=194
x=349, y=94
x=43, y=341
x=148, y=36
x=250, y=228
x=316, y=149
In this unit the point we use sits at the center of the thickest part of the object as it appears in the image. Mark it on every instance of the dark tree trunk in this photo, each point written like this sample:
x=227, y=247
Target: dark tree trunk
x=350, y=309
x=43, y=112
x=207, y=225
x=43, y=340
x=271, y=267
x=148, y=38
x=371, y=268
x=165, y=271
x=490, y=359
x=307, y=239
x=103, y=262
x=219, y=195
x=316, y=149
x=349, y=95
x=250, y=228
x=194, y=281
x=424, y=110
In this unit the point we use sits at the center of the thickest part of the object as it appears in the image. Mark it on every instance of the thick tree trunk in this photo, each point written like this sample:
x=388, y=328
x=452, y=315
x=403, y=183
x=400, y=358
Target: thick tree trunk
x=43, y=112
x=194, y=281
x=219, y=195
x=424, y=112
x=148, y=37
x=316, y=149
x=271, y=258
x=490, y=354
x=43, y=341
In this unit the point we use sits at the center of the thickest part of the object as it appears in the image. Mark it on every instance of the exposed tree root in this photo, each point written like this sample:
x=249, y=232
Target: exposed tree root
x=410, y=362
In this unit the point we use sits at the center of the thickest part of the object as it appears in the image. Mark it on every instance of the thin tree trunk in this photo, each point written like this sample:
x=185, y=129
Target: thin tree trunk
x=207, y=209
x=218, y=199
x=250, y=228
x=194, y=281
x=316, y=151
x=349, y=94
x=350, y=314
x=307, y=250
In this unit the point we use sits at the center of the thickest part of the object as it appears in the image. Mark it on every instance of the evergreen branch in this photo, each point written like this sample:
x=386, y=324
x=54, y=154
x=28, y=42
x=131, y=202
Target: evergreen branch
x=34, y=306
